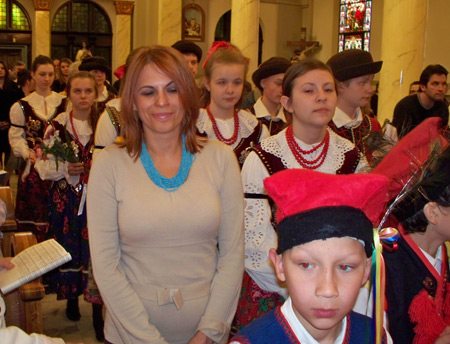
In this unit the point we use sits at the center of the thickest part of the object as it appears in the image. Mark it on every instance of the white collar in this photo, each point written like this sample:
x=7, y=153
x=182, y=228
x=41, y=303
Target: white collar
x=299, y=330
x=435, y=261
x=341, y=119
x=262, y=112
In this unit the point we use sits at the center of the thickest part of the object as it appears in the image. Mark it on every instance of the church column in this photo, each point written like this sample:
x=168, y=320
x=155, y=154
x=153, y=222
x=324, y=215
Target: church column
x=122, y=37
x=41, y=35
x=169, y=21
x=402, y=51
x=245, y=28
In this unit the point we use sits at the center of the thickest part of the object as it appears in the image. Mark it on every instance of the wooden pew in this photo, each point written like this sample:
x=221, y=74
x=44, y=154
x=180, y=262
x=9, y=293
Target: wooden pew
x=23, y=306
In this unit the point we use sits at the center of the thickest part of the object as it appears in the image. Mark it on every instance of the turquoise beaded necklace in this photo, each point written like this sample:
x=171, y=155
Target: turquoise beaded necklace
x=168, y=184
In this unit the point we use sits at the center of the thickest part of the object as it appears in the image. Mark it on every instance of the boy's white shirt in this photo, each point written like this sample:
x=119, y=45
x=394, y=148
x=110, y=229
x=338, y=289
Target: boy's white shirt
x=262, y=112
x=435, y=261
x=341, y=119
x=300, y=332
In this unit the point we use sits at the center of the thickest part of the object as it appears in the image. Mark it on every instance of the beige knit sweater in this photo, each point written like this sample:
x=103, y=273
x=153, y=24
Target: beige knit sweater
x=167, y=263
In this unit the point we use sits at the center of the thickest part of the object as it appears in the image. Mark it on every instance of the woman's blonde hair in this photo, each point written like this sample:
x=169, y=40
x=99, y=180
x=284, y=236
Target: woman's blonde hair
x=171, y=63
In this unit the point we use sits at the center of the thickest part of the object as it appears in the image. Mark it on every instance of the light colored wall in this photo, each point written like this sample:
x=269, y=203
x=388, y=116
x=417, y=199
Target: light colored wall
x=289, y=23
x=145, y=23
x=325, y=22
x=437, y=48
x=269, y=18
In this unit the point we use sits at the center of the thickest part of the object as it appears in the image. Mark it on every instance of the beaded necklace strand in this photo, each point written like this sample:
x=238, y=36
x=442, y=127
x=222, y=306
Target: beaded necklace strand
x=219, y=136
x=168, y=184
x=299, y=153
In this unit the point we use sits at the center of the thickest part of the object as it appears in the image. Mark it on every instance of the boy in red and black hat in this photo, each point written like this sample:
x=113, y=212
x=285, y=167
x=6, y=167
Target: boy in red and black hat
x=325, y=245
x=354, y=71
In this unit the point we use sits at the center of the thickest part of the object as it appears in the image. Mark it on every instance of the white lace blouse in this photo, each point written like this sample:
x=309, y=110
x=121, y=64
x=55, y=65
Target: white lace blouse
x=247, y=124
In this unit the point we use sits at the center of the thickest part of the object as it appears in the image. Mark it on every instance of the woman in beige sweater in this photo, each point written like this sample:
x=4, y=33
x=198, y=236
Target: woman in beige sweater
x=165, y=214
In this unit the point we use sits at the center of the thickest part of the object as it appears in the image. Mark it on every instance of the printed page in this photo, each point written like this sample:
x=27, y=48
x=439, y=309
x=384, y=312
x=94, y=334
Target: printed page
x=32, y=263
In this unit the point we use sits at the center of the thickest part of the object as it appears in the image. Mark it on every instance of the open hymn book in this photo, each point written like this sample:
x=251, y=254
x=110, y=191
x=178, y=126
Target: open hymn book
x=32, y=263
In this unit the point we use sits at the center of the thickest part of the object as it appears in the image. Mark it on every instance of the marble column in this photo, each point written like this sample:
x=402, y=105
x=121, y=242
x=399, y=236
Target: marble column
x=245, y=28
x=169, y=21
x=41, y=38
x=402, y=51
x=122, y=38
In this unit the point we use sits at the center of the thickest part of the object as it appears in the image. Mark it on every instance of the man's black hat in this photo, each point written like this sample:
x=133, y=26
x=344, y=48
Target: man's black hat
x=353, y=63
x=95, y=62
x=188, y=47
x=274, y=65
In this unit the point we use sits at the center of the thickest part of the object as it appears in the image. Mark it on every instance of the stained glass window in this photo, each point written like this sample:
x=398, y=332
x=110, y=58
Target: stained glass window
x=354, y=24
x=18, y=20
x=3, y=24
x=60, y=21
x=76, y=16
x=100, y=24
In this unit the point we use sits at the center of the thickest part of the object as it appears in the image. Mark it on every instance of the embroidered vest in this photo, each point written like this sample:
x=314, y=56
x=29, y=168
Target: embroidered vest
x=35, y=126
x=358, y=134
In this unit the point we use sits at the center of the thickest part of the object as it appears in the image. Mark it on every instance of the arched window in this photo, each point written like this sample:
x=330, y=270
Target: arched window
x=223, y=32
x=13, y=17
x=15, y=32
x=354, y=24
x=76, y=22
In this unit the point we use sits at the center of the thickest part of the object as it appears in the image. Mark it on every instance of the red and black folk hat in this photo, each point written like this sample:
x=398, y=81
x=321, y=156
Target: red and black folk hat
x=314, y=205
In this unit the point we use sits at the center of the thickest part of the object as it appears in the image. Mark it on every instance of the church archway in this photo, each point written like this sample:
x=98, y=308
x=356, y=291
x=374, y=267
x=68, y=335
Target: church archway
x=223, y=32
x=81, y=21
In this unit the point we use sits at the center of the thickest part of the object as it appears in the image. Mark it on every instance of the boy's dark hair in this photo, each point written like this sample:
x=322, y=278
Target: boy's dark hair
x=432, y=186
x=23, y=76
x=18, y=63
x=429, y=71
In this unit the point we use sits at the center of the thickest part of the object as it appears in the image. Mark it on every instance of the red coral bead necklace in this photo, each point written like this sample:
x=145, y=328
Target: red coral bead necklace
x=219, y=136
x=299, y=153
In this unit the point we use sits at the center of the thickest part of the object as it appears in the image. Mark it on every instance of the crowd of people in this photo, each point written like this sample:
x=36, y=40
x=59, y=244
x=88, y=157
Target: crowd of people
x=193, y=218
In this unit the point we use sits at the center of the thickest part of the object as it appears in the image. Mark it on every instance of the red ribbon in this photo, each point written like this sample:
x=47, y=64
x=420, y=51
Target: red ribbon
x=215, y=46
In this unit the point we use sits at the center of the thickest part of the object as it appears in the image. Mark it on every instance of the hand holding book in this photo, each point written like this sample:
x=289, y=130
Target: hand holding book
x=31, y=264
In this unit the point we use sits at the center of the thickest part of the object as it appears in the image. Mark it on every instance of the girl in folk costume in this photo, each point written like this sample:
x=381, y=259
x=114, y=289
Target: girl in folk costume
x=225, y=70
x=417, y=271
x=29, y=119
x=68, y=223
x=309, y=95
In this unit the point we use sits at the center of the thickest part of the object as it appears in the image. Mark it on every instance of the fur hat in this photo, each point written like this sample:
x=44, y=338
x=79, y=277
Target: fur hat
x=350, y=64
x=188, y=47
x=274, y=65
x=95, y=62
